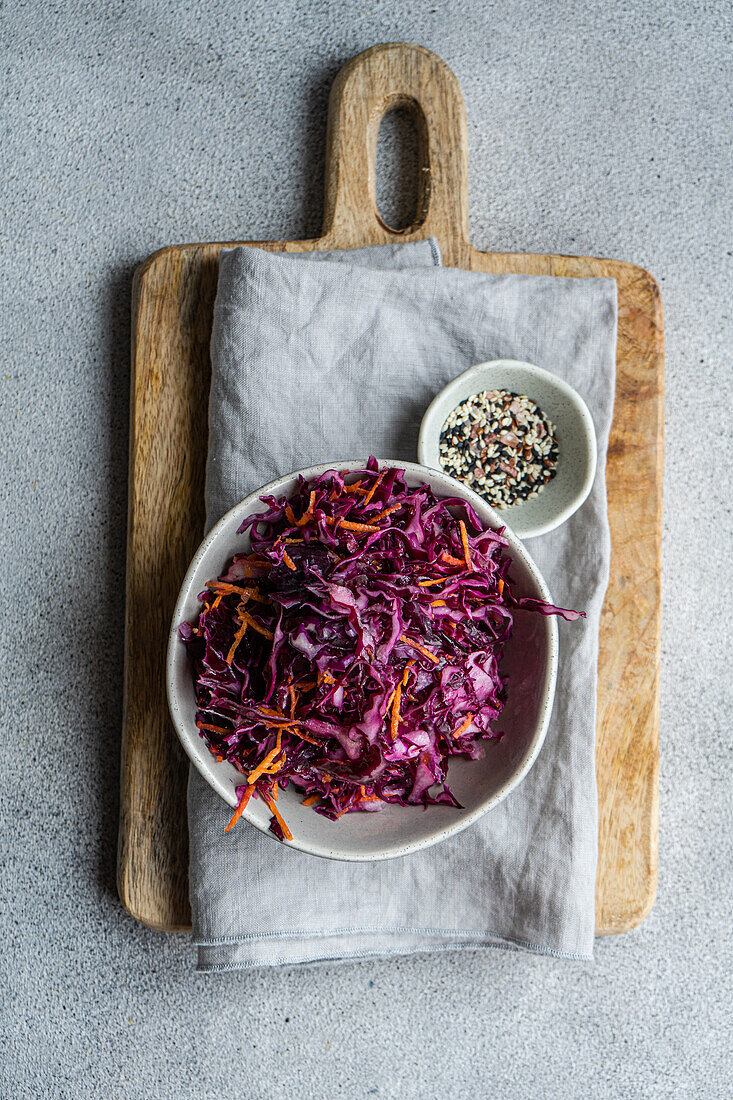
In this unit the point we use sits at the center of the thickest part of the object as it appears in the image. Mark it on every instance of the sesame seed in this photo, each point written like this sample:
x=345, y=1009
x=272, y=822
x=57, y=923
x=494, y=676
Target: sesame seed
x=501, y=445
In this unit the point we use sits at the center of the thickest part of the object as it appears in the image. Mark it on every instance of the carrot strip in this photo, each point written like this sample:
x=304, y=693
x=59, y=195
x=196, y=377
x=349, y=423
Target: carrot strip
x=253, y=594
x=466, y=548
x=265, y=763
x=406, y=673
x=278, y=817
x=360, y=527
x=293, y=697
x=463, y=726
x=438, y=603
x=212, y=729
x=310, y=800
x=288, y=560
x=225, y=588
x=355, y=487
x=434, y=580
x=500, y=585
x=386, y=512
x=395, y=722
x=450, y=560
x=237, y=639
x=307, y=515
x=419, y=648
x=257, y=626
x=374, y=488
x=272, y=712
x=349, y=526
x=240, y=808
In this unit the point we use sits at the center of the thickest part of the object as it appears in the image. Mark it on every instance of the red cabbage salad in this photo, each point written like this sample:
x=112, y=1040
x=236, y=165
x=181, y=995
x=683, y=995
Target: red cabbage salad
x=356, y=648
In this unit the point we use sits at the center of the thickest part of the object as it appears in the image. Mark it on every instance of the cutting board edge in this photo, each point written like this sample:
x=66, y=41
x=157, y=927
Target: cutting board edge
x=316, y=244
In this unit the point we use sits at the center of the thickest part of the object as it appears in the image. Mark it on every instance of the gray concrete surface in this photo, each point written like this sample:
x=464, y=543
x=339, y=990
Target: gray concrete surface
x=594, y=128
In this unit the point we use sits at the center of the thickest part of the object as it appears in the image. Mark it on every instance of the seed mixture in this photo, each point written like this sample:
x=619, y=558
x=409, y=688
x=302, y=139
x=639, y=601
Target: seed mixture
x=501, y=445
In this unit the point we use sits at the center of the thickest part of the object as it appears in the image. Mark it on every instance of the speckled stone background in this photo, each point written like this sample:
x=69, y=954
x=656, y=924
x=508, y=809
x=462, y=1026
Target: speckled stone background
x=594, y=128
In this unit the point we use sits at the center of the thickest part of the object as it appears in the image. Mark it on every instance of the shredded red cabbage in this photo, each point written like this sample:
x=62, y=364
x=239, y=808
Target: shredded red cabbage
x=356, y=648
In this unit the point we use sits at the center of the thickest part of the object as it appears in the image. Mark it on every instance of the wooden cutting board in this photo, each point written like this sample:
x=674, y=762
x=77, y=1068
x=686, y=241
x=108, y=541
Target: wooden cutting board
x=173, y=297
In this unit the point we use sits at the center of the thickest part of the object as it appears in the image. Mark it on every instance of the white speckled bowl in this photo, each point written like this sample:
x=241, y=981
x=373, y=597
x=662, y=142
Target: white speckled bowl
x=576, y=438
x=530, y=660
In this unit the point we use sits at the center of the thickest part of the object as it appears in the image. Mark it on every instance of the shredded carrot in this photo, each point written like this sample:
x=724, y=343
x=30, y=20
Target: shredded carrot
x=212, y=729
x=450, y=560
x=438, y=603
x=278, y=817
x=272, y=711
x=240, y=808
x=374, y=488
x=395, y=722
x=218, y=758
x=237, y=639
x=216, y=602
x=304, y=736
x=500, y=585
x=463, y=726
x=275, y=791
x=355, y=487
x=226, y=589
x=328, y=678
x=293, y=697
x=349, y=526
x=310, y=800
x=288, y=560
x=406, y=673
x=386, y=512
x=292, y=542
x=466, y=548
x=307, y=515
x=253, y=594
x=265, y=763
x=419, y=648
x=433, y=580
x=257, y=626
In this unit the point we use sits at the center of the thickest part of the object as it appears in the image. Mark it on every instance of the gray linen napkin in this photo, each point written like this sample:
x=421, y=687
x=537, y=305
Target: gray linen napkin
x=315, y=362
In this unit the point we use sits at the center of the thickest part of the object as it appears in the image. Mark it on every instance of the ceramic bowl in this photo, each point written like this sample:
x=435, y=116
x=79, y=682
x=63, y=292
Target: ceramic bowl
x=576, y=438
x=530, y=661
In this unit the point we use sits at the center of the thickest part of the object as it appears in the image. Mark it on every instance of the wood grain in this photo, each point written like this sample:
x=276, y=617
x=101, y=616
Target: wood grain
x=173, y=296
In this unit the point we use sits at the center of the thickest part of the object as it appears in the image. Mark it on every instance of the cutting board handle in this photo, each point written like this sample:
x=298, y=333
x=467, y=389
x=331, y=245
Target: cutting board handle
x=374, y=82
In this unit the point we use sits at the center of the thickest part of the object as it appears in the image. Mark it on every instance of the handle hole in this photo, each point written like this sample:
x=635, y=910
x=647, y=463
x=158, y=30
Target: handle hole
x=398, y=170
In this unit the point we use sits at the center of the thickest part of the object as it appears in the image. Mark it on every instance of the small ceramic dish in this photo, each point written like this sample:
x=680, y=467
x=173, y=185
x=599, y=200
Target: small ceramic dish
x=530, y=662
x=576, y=439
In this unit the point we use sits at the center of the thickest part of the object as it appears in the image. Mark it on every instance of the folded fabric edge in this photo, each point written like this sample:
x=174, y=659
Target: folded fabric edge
x=337, y=254
x=455, y=941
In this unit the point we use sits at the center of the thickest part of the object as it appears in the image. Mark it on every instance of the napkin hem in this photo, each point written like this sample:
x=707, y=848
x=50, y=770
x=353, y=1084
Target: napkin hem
x=479, y=940
x=486, y=936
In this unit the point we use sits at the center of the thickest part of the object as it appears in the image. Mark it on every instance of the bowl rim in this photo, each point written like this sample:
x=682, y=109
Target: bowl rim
x=195, y=746
x=428, y=442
